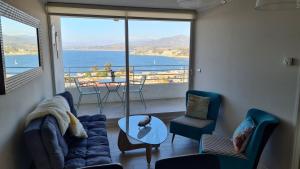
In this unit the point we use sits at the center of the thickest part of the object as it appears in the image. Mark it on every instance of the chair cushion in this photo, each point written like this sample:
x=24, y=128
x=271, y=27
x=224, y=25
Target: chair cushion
x=197, y=106
x=212, y=144
x=194, y=122
x=54, y=142
x=93, y=150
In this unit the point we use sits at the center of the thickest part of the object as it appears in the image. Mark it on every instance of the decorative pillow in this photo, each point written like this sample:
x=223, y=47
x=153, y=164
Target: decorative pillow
x=197, y=106
x=242, y=134
x=76, y=127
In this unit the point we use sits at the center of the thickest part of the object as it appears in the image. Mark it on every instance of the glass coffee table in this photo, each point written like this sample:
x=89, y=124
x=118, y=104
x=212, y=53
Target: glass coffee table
x=147, y=137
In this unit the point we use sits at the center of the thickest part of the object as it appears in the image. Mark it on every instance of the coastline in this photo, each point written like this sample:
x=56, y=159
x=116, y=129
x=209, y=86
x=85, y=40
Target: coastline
x=140, y=54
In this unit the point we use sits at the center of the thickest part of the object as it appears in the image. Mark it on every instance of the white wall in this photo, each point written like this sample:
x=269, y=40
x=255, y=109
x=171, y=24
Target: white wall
x=58, y=65
x=16, y=105
x=240, y=52
x=150, y=92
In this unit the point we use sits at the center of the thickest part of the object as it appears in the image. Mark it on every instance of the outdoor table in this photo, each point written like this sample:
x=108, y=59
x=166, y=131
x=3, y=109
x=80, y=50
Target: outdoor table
x=112, y=86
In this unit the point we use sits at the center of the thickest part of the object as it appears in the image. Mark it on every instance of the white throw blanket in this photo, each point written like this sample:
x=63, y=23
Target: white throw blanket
x=57, y=107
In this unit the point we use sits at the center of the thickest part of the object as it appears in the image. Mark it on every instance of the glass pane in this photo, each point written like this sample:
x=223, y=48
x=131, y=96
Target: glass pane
x=20, y=46
x=93, y=54
x=159, y=65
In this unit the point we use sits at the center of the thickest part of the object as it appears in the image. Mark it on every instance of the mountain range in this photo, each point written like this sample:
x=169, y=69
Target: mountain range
x=174, y=46
x=178, y=41
x=20, y=44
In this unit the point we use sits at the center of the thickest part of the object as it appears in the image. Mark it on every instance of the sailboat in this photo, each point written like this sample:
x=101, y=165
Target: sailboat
x=15, y=62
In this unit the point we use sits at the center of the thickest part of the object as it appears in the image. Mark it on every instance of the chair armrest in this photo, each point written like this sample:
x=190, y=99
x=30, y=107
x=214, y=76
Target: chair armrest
x=197, y=161
x=105, y=166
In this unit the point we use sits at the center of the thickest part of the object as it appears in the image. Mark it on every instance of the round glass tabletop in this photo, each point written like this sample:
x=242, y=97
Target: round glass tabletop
x=154, y=133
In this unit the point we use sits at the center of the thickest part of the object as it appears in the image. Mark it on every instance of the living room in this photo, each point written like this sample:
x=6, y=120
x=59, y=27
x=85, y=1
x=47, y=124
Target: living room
x=244, y=51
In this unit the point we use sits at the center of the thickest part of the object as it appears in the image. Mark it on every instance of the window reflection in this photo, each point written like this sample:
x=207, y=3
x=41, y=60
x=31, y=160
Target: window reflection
x=20, y=45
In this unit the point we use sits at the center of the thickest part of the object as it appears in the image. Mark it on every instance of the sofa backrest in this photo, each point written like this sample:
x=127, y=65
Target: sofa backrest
x=265, y=125
x=49, y=147
x=68, y=96
x=45, y=143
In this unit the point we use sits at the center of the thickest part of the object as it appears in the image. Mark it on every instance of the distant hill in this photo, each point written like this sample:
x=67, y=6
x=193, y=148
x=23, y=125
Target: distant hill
x=175, y=46
x=18, y=45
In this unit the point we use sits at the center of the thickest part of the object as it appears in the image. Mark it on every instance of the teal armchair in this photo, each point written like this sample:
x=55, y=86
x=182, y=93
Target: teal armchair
x=192, y=127
x=223, y=147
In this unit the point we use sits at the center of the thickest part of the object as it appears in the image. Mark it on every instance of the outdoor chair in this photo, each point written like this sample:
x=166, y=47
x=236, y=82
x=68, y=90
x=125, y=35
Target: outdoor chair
x=137, y=87
x=193, y=127
x=85, y=90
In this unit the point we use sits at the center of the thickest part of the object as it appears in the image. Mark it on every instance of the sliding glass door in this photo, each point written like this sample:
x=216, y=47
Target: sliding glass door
x=94, y=57
x=103, y=54
x=159, y=52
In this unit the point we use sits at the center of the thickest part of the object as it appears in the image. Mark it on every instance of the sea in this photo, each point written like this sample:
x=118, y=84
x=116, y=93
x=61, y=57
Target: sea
x=80, y=61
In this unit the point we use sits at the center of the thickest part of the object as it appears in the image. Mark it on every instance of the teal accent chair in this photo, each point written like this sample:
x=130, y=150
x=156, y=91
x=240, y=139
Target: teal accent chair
x=192, y=127
x=223, y=147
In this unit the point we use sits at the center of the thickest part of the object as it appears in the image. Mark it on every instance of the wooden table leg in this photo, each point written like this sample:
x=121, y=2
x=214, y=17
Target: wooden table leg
x=148, y=152
x=124, y=145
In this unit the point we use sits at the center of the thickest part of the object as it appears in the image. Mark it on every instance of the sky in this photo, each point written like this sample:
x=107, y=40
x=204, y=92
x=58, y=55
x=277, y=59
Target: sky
x=91, y=31
x=14, y=28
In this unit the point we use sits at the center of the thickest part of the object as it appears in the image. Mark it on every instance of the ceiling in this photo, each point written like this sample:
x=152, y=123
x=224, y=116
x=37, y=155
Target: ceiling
x=132, y=3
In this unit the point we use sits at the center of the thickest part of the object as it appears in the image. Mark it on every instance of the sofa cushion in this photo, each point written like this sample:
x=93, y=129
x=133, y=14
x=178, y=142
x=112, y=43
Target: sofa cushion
x=36, y=148
x=93, y=150
x=54, y=142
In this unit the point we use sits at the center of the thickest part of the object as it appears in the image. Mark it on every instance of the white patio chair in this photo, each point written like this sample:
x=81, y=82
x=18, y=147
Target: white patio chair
x=137, y=87
x=84, y=91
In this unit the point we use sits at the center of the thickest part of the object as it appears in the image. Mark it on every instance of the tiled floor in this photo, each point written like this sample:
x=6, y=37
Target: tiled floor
x=136, y=159
x=116, y=110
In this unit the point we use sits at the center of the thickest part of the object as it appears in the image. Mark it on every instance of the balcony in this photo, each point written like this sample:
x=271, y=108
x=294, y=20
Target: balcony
x=164, y=89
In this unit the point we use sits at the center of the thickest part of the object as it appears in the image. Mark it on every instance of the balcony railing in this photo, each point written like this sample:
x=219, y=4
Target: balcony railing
x=156, y=74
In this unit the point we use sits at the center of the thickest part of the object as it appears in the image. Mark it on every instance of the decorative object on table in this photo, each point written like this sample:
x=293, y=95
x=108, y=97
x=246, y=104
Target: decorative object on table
x=145, y=122
x=112, y=74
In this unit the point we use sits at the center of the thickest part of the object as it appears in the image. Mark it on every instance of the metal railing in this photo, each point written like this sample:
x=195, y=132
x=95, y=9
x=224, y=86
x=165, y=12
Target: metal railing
x=14, y=70
x=156, y=74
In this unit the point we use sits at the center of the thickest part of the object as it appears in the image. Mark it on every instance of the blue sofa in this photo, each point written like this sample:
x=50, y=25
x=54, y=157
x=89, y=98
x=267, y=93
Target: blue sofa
x=50, y=150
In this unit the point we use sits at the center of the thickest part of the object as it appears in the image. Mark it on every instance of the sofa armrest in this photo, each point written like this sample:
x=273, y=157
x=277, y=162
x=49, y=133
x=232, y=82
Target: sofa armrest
x=197, y=161
x=105, y=166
